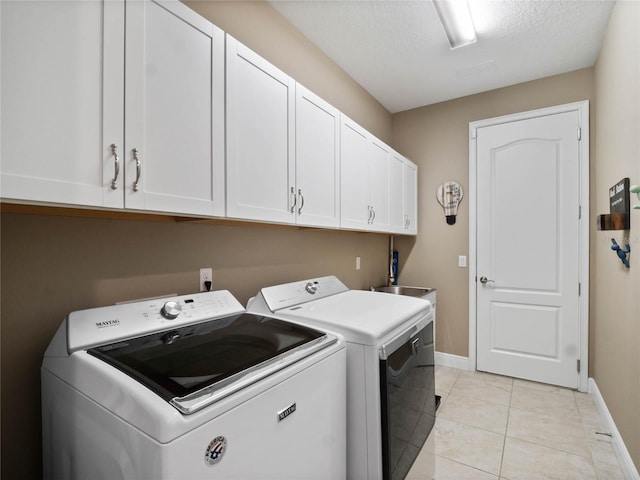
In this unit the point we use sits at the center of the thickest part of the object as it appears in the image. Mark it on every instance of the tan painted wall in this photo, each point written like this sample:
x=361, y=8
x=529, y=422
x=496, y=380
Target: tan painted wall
x=53, y=265
x=264, y=30
x=616, y=299
x=436, y=138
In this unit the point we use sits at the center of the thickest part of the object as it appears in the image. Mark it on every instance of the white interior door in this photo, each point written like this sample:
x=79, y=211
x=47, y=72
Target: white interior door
x=528, y=252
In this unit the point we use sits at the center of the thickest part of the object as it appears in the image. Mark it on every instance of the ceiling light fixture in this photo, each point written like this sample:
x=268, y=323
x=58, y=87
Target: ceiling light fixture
x=455, y=18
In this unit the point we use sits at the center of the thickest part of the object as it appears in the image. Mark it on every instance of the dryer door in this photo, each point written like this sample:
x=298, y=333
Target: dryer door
x=407, y=402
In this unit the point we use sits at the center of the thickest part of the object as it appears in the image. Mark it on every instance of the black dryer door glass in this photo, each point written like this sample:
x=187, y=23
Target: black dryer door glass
x=407, y=386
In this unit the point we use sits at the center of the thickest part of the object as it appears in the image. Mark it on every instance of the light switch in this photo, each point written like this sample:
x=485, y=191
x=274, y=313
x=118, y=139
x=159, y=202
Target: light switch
x=462, y=261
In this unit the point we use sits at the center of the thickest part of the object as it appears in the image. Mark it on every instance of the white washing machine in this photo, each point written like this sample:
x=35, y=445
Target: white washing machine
x=192, y=387
x=390, y=367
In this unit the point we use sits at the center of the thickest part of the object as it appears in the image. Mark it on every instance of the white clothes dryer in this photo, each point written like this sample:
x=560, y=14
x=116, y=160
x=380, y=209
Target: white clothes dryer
x=390, y=367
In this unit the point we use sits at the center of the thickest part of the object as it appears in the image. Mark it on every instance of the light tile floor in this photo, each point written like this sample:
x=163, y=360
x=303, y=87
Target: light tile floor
x=490, y=427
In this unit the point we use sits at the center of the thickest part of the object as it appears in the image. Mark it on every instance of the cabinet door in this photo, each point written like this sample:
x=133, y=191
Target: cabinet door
x=260, y=138
x=355, y=210
x=378, y=173
x=174, y=113
x=411, y=197
x=317, y=160
x=396, y=193
x=61, y=101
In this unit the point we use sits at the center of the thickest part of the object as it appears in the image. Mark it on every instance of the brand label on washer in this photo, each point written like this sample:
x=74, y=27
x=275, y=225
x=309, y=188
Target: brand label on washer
x=282, y=414
x=108, y=323
x=215, y=451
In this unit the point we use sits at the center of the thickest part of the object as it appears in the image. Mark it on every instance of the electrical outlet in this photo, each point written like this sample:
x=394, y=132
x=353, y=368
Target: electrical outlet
x=206, y=275
x=357, y=263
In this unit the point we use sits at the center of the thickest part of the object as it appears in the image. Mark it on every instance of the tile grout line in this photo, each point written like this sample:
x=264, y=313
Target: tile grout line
x=506, y=429
x=585, y=427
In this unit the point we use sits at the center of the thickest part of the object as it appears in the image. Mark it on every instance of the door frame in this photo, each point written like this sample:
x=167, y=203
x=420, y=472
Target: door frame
x=583, y=241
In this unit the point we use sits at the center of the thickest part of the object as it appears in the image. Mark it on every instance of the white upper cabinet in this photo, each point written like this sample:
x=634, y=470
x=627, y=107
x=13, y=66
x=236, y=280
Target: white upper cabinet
x=61, y=101
x=317, y=161
x=355, y=209
x=63, y=106
x=378, y=185
x=260, y=140
x=282, y=145
x=410, y=197
x=138, y=104
x=403, y=176
x=397, y=194
x=174, y=110
x=365, y=179
x=378, y=161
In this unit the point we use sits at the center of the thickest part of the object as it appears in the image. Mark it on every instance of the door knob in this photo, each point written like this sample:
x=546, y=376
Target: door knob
x=485, y=280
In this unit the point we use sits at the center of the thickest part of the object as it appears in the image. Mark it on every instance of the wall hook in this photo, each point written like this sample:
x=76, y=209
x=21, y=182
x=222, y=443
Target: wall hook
x=622, y=254
x=635, y=189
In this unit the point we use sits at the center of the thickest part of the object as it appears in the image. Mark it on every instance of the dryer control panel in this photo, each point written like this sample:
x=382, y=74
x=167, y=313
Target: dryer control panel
x=295, y=293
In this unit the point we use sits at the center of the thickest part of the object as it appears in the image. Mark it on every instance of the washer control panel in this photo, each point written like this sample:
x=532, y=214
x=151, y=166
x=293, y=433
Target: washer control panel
x=100, y=326
x=291, y=294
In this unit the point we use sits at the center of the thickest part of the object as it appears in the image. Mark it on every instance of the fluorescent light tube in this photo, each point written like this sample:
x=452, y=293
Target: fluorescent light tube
x=455, y=18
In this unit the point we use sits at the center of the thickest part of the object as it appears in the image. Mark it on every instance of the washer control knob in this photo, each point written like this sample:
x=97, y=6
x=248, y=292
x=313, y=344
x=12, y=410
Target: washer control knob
x=171, y=310
x=311, y=287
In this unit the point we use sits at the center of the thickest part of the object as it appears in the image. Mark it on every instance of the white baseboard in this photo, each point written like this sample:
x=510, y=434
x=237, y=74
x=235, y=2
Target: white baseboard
x=626, y=463
x=453, y=361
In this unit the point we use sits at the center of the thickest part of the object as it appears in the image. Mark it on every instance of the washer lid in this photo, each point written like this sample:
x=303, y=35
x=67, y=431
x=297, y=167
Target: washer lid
x=196, y=365
x=361, y=316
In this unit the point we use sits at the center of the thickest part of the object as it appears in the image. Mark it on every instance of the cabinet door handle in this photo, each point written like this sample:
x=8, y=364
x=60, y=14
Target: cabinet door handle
x=301, y=201
x=114, y=152
x=294, y=200
x=369, y=217
x=373, y=211
x=138, y=169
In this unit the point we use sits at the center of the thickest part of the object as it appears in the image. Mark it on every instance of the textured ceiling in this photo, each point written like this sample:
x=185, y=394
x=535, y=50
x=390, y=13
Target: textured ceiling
x=398, y=52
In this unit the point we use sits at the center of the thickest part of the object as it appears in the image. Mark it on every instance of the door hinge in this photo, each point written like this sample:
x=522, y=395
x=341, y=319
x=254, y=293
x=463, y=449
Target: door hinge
x=579, y=133
x=474, y=133
x=578, y=365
